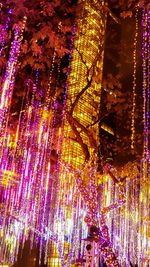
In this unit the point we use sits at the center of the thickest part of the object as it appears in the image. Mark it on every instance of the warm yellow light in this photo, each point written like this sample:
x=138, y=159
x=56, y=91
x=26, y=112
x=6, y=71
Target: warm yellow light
x=82, y=108
x=87, y=61
x=8, y=177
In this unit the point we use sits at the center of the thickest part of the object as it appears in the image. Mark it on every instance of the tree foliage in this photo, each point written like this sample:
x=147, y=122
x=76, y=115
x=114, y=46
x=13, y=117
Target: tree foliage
x=47, y=34
x=48, y=31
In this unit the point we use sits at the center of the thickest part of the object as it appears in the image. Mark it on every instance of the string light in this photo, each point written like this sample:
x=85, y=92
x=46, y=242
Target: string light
x=8, y=82
x=144, y=194
x=4, y=32
x=71, y=153
x=145, y=57
x=134, y=81
x=92, y=211
x=58, y=201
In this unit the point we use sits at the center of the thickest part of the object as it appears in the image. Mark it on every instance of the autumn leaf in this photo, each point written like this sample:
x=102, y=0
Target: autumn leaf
x=3, y=62
x=126, y=14
x=24, y=47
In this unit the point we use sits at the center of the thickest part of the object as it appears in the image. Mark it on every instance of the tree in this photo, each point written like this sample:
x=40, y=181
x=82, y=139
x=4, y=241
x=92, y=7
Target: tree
x=44, y=53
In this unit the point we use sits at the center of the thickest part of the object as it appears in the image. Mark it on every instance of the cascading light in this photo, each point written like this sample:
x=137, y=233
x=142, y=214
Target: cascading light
x=4, y=32
x=128, y=225
x=134, y=81
x=80, y=133
x=28, y=211
x=53, y=199
x=8, y=83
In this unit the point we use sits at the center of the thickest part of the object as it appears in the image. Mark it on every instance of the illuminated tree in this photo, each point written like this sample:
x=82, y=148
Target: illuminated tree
x=58, y=87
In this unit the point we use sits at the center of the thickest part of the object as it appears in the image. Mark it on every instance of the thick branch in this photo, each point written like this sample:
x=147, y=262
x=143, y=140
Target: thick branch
x=75, y=122
x=113, y=177
x=100, y=117
x=89, y=81
x=87, y=85
x=82, y=59
x=80, y=94
x=79, y=138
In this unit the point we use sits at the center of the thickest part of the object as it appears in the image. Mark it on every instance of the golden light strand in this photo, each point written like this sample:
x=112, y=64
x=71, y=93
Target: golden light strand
x=134, y=82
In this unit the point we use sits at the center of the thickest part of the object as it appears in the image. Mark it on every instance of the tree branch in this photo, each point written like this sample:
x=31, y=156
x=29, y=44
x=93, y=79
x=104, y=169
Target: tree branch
x=99, y=118
x=76, y=124
x=112, y=15
x=89, y=81
x=83, y=61
x=80, y=94
x=79, y=138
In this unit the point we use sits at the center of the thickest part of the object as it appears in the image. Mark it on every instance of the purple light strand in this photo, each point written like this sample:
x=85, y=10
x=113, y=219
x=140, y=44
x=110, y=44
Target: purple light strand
x=148, y=93
x=3, y=32
x=9, y=78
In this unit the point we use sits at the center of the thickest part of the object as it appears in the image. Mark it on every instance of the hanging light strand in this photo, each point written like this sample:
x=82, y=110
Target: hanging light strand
x=148, y=89
x=9, y=78
x=134, y=81
x=145, y=58
x=3, y=32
